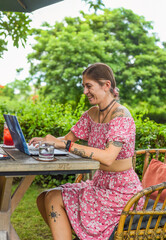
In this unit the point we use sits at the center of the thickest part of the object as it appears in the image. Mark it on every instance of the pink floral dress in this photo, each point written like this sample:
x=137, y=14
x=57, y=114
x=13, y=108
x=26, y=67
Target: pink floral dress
x=94, y=207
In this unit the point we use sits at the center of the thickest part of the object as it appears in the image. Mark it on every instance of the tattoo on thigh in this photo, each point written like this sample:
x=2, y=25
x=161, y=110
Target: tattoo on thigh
x=53, y=214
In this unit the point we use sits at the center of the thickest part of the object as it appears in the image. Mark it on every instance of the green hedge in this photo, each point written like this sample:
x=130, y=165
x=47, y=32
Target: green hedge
x=43, y=117
x=149, y=134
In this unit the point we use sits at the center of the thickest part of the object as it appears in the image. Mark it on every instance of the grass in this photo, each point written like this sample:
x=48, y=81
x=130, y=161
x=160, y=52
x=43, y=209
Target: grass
x=26, y=218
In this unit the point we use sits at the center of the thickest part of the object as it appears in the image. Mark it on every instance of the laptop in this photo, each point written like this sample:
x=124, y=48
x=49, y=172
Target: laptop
x=19, y=139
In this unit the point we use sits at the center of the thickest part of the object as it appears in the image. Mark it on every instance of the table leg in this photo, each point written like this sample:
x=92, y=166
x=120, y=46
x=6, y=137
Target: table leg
x=8, y=204
x=16, y=198
x=20, y=191
x=5, y=206
x=14, y=235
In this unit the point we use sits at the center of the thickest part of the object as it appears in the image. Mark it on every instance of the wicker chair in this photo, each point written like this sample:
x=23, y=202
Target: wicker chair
x=147, y=223
x=150, y=221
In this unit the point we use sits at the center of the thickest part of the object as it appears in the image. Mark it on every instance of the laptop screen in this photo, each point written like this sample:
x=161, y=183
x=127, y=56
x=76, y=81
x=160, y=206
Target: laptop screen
x=16, y=133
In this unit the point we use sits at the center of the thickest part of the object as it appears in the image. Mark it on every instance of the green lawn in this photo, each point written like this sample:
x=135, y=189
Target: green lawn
x=26, y=219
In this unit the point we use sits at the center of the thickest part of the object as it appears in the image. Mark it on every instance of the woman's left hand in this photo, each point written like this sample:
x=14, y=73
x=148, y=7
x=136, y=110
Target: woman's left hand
x=58, y=143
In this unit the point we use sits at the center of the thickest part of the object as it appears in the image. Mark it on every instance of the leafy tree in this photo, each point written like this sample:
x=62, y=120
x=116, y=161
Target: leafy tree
x=14, y=25
x=96, y=5
x=6, y=91
x=118, y=37
x=18, y=89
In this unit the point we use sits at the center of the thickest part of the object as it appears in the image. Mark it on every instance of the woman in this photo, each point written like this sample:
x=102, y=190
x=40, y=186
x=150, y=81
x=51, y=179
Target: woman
x=93, y=208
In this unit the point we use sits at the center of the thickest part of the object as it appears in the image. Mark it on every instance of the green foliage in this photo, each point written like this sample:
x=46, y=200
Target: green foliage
x=96, y=5
x=48, y=181
x=118, y=37
x=14, y=25
x=155, y=113
x=17, y=90
x=149, y=134
x=42, y=117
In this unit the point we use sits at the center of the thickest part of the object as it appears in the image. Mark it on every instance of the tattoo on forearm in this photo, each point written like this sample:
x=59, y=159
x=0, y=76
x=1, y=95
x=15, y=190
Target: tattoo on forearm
x=108, y=144
x=115, y=143
x=91, y=155
x=53, y=214
x=82, y=153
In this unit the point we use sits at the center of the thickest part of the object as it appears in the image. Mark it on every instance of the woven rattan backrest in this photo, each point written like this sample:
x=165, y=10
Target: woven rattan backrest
x=157, y=232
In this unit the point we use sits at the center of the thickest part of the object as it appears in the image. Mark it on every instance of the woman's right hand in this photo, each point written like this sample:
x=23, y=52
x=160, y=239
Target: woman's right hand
x=34, y=141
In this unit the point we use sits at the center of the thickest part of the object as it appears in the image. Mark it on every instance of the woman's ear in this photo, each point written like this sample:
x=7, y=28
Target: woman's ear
x=107, y=85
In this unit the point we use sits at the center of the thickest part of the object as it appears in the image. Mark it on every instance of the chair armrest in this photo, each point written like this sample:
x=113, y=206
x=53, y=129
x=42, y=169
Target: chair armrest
x=148, y=221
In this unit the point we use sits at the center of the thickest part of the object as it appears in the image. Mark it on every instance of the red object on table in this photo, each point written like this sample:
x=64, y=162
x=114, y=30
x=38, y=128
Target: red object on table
x=7, y=138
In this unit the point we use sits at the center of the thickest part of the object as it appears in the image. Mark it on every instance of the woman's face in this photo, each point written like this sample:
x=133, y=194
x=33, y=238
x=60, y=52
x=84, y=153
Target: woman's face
x=95, y=92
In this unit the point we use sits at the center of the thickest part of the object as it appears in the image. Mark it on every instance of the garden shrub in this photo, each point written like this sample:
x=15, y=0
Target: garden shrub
x=155, y=113
x=149, y=134
x=159, y=117
x=50, y=181
x=42, y=117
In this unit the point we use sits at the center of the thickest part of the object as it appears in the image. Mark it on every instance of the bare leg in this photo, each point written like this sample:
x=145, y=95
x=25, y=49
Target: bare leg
x=56, y=216
x=41, y=205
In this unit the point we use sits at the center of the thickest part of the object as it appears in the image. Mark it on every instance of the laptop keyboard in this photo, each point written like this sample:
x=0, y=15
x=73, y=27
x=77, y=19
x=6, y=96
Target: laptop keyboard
x=35, y=151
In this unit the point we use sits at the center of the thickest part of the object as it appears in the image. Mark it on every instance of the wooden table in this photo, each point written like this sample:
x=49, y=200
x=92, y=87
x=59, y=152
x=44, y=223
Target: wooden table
x=27, y=167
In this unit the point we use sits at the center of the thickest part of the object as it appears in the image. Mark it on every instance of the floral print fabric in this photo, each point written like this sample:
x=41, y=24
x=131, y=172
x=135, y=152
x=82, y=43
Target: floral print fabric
x=121, y=129
x=94, y=207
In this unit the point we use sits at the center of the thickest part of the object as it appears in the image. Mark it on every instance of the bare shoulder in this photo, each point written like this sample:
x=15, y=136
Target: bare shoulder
x=93, y=112
x=121, y=111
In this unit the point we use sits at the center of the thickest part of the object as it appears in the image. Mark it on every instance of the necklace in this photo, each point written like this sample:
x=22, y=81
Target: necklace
x=102, y=110
x=107, y=113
